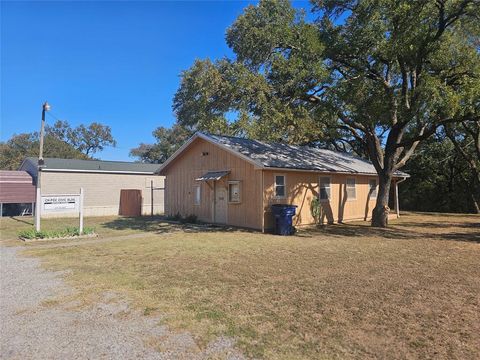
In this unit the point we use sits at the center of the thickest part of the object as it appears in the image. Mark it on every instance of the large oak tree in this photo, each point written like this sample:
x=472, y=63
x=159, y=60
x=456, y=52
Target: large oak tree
x=378, y=75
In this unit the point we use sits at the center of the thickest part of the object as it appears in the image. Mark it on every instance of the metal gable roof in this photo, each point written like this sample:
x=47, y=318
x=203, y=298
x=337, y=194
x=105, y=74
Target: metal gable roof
x=56, y=164
x=284, y=156
x=16, y=187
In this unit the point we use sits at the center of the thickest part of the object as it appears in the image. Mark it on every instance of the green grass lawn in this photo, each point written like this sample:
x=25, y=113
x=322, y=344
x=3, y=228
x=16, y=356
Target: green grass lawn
x=343, y=291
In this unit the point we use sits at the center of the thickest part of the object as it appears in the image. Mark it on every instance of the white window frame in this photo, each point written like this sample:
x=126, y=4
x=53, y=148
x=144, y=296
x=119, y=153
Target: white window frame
x=197, y=188
x=329, y=192
x=354, y=188
x=373, y=195
x=235, y=182
x=284, y=186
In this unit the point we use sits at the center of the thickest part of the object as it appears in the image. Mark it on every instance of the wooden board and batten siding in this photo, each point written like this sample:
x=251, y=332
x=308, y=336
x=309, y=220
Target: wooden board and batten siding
x=257, y=189
x=303, y=187
x=196, y=160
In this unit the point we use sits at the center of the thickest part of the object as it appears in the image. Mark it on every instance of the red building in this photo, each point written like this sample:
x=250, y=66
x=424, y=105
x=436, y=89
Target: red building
x=17, y=192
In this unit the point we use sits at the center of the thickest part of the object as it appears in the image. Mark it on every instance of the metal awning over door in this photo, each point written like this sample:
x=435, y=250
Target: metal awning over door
x=213, y=175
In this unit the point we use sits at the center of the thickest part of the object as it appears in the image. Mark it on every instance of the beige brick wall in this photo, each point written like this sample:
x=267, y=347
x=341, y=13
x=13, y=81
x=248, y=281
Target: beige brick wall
x=102, y=190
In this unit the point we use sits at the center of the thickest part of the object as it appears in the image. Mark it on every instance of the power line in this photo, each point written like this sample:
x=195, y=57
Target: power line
x=53, y=116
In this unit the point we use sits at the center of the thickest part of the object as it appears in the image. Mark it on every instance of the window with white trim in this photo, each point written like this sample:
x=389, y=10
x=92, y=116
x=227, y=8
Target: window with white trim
x=234, y=189
x=372, y=188
x=325, y=188
x=197, y=195
x=351, y=189
x=280, y=187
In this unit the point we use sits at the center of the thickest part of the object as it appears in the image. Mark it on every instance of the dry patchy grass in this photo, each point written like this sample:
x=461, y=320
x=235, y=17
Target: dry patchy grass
x=344, y=291
x=105, y=226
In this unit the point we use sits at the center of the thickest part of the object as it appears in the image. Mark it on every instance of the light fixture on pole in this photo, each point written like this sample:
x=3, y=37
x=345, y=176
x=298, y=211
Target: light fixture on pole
x=45, y=108
x=41, y=163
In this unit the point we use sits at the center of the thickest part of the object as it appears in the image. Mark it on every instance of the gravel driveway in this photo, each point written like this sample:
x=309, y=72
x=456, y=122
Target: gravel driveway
x=110, y=329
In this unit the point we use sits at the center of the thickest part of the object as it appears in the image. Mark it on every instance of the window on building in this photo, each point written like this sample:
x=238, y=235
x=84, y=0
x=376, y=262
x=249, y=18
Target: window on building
x=373, y=188
x=234, y=192
x=351, y=189
x=280, y=186
x=325, y=189
x=197, y=195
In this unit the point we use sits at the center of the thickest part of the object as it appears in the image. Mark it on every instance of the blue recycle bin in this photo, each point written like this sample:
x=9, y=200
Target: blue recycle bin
x=283, y=215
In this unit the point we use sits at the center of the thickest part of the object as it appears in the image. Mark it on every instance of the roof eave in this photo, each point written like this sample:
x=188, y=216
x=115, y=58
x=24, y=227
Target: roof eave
x=404, y=175
x=100, y=171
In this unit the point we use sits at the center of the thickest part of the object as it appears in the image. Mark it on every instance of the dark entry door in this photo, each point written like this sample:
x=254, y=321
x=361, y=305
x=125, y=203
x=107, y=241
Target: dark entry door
x=130, y=202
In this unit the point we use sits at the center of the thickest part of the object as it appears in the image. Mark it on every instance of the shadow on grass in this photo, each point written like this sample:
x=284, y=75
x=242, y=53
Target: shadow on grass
x=441, y=225
x=353, y=230
x=160, y=225
x=147, y=224
x=21, y=220
x=459, y=236
x=399, y=231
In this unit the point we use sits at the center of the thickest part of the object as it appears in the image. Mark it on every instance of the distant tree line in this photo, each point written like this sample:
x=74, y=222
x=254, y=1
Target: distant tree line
x=61, y=141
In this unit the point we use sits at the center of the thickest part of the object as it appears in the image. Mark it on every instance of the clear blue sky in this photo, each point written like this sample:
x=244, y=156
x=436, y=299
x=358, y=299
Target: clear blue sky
x=117, y=63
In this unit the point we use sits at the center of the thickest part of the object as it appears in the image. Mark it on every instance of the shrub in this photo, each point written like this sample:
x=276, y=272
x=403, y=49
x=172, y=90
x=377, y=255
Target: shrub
x=190, y=219
x=176, y=217
x=51, y=234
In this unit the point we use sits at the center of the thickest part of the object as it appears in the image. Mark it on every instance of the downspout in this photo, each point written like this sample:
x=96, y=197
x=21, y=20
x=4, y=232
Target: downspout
x=397, y=203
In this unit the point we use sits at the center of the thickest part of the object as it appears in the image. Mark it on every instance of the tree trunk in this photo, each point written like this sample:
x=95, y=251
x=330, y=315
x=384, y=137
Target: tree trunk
x=381, y=210
x=475, y=204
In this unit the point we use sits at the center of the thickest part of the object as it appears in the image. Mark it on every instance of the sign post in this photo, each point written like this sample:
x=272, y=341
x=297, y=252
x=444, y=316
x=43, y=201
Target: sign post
x=50, y=204
x=38, y=210
x=81, y=212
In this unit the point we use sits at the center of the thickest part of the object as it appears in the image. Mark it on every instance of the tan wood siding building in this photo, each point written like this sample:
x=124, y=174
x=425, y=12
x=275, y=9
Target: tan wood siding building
x=202, y=157
x=221, y=182
x=303, y=187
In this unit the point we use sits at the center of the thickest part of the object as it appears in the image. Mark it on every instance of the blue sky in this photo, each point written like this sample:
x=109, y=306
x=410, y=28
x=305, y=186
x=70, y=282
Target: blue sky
x=117, y=63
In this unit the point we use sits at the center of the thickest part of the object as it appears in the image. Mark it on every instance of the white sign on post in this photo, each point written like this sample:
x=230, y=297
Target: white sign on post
x=60, y=203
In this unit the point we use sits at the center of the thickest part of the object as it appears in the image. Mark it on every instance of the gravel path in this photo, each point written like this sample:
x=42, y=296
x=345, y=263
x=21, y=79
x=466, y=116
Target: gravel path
x=109, y=329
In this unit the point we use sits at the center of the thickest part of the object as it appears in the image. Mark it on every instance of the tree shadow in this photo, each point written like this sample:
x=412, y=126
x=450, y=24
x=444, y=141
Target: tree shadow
x=393, y=232
x=161, y=225
x=147, y=224
x=353, y=230
x=461, y=236
x=367, y=205
x=342, y=197
x=442, y=225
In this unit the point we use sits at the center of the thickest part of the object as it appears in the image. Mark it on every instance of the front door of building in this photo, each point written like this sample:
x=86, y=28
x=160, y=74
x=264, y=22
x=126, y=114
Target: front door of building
x=220, y=204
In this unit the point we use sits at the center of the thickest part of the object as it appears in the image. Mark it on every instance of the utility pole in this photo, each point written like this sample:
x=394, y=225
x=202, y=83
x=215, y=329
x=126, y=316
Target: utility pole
x=41, y=163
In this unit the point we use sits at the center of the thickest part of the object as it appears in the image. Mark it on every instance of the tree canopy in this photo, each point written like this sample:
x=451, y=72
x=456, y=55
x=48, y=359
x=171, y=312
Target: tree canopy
x=86, y=139
x=168, y=140
x=61, y=141
x=379, y=76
